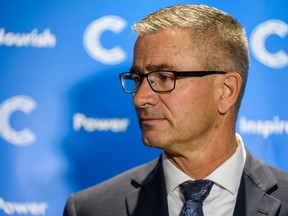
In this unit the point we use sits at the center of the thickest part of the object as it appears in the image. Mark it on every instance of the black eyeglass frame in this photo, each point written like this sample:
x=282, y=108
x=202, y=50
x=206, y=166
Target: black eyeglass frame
x=175, y=74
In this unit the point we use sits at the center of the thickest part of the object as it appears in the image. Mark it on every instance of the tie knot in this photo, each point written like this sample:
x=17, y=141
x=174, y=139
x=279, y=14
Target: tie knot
x=197, y=190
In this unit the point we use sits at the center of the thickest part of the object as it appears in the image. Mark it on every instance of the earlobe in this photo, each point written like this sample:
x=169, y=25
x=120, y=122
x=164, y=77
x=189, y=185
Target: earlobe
x=231, y=87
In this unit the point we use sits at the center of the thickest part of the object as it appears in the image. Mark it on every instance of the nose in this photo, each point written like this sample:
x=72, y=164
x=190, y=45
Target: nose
x=145, y=96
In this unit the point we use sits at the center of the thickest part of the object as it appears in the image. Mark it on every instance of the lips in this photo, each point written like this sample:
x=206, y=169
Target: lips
x=149, y=117
x=150, y=120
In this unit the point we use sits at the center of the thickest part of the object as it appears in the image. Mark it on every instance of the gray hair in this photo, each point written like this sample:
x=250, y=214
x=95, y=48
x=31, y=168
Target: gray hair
x=219, y=39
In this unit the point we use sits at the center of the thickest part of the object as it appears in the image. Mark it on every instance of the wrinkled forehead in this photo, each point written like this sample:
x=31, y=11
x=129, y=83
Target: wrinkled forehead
x=172, y=48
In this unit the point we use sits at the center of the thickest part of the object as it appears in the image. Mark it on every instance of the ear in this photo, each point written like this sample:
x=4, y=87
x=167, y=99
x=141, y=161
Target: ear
x=231, y=87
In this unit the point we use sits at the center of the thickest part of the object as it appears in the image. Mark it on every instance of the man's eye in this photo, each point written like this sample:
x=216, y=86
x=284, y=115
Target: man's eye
x=165, y=77
x=136, y=79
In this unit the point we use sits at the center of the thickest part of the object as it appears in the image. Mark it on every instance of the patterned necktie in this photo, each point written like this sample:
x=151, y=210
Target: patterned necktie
x=195, y=192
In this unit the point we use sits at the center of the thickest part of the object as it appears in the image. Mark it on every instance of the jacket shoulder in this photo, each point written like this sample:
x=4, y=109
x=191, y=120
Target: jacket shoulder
x=264, y=186
x=122, y=182
x=281, y=177
x=109, y=195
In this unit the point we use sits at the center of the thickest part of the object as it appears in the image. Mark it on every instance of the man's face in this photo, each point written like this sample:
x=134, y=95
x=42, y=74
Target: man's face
x=176, y=120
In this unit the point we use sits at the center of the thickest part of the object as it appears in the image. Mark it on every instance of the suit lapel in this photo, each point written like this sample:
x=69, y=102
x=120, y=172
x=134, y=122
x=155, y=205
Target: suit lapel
x=150, y=196
x=257, y=183
x=254, y=193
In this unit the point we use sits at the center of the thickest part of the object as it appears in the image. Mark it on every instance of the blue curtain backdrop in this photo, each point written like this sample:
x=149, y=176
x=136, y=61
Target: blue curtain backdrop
x=65, y=123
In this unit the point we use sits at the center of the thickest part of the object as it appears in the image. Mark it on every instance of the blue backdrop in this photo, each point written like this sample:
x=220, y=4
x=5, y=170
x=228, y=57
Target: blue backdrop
x=65, y=123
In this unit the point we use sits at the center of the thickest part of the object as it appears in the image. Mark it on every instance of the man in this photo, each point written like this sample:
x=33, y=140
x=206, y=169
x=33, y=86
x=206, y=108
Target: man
x=187, y=79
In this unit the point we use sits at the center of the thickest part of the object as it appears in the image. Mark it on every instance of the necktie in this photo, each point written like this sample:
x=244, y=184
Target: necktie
x=195, y=192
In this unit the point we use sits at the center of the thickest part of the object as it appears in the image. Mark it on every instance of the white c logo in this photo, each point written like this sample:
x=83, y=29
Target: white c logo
x=92, y=42
x=259, y=37
x=7, y=108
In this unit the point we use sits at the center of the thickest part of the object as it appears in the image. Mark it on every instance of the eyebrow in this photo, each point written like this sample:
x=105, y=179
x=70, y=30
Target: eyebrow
x=151, y=67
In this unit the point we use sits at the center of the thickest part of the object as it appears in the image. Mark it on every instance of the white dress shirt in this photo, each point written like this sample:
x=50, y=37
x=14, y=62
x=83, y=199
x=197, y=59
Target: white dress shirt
x=222, y=197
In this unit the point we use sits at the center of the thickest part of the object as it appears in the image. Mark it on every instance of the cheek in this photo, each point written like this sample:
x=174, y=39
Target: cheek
x=196, y=104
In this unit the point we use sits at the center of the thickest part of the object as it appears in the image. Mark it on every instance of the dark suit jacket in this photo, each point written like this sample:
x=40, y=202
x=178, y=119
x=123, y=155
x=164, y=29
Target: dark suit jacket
x=142, y=192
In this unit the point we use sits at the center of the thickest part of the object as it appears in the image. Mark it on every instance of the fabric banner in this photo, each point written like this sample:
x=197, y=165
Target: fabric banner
x=66, y=124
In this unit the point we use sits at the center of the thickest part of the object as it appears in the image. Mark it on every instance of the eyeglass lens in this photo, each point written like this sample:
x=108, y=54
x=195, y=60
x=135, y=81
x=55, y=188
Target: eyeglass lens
x=158, y=81
x=161, y=81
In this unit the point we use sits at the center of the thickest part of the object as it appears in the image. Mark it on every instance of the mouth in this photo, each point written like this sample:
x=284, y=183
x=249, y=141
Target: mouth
x=150, y=120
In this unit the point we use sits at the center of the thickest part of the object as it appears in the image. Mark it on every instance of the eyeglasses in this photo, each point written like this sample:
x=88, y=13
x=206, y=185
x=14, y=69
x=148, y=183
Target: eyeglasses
x=160, y=80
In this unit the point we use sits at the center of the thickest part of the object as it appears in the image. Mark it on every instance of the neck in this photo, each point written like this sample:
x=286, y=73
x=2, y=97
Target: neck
x=210, y=153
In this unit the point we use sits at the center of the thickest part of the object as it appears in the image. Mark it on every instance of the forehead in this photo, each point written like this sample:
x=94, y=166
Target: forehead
x=171, y=47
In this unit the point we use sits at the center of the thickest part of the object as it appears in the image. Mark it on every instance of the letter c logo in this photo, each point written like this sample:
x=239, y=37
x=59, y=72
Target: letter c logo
x=7, y=108
x=93, y=45
x=258, y=39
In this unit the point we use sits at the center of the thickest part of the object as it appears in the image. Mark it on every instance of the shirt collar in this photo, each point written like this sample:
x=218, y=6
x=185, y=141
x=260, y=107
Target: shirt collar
x=227, y=176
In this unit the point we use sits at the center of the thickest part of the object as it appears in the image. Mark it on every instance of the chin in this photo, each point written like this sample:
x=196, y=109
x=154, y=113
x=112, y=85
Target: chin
x=153, y=143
